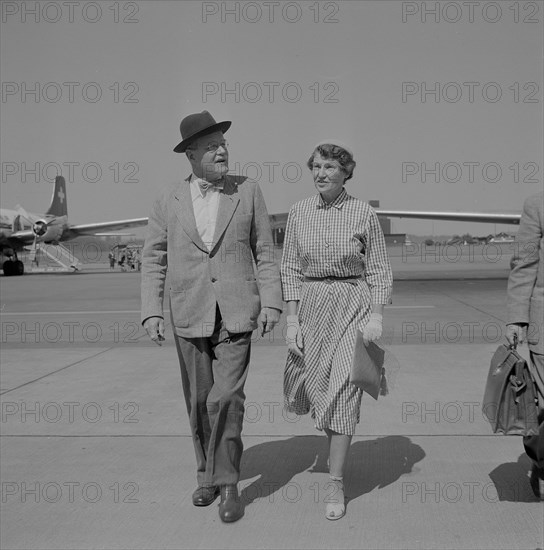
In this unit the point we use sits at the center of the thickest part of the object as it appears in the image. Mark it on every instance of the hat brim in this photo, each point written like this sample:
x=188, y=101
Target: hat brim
x=221, y=126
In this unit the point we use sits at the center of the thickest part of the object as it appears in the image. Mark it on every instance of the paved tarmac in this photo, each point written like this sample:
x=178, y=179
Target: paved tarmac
x=96, y=451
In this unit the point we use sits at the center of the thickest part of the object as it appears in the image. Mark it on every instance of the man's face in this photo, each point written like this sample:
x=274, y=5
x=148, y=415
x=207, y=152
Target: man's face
x=209, y=157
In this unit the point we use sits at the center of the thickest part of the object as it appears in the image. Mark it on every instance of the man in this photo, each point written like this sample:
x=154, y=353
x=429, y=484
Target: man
x=526, y=317
x=210, y=232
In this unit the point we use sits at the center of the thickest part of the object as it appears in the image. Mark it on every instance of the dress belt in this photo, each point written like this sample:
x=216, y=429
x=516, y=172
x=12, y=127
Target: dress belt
x=350, y=279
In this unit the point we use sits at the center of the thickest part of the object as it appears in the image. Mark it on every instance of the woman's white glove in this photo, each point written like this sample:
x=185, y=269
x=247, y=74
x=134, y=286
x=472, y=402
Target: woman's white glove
x=373, y=329
x=293, y=337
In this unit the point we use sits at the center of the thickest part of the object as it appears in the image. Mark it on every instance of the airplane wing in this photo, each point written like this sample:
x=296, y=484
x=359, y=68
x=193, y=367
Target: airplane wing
x=453, y=216
x=19, y=239
x=73, y=231
x=26, y=237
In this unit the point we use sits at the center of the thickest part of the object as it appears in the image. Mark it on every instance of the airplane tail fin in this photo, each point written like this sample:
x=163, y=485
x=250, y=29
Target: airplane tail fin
x=59, y=206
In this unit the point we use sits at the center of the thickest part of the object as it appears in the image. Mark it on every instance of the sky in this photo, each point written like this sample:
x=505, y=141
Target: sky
x=441, y=102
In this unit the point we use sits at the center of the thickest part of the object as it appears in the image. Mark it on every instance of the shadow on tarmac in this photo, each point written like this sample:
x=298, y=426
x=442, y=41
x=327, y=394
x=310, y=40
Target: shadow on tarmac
x=372, y=464
x=510, y=480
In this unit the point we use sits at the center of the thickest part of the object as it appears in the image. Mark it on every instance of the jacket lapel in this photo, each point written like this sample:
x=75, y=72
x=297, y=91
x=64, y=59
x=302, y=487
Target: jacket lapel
x=227, y=206
x=186, y=215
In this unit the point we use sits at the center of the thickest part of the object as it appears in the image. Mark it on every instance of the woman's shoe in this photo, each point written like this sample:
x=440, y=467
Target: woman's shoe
x=335, y=507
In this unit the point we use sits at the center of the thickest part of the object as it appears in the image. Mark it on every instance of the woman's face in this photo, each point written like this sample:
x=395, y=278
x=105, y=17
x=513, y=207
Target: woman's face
x=328, y=176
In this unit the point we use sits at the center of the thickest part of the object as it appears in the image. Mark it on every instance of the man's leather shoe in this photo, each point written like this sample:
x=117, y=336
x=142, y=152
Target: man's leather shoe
x=537, y=482
x=204, y=496
x=230, y=507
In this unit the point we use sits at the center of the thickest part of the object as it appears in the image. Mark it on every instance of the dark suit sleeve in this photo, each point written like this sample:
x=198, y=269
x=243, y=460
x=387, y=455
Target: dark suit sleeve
x=154, y=261
x=262, y=247
x=525, y=263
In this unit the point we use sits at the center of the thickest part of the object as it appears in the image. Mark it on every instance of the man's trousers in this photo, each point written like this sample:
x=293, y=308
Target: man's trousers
x=213, y=373
x=534, y=444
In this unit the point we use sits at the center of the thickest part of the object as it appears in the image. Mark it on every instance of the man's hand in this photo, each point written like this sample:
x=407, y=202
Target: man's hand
x=513, y=330
x=373, y=329
x=293, y=337
x=268, y=319
x=155, y=329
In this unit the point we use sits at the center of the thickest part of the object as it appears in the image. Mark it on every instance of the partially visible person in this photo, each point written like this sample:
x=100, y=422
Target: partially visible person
x=336, y=278
x=111, y=258
x=130, y=260
x=525, y=318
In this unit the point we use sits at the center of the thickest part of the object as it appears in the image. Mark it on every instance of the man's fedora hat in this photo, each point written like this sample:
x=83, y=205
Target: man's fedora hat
x=199, y=124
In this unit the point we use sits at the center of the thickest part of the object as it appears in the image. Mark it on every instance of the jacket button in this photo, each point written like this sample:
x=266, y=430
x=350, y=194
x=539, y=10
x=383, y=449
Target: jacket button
x=214, y=280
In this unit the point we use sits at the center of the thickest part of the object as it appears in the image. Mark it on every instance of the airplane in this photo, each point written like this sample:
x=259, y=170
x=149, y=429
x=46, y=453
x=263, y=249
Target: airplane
x=50, y=228
x=53, y=227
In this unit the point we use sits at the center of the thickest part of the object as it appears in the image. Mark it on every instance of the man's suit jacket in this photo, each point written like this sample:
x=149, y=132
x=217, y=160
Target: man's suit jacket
x=526, y=282
x=200, y=279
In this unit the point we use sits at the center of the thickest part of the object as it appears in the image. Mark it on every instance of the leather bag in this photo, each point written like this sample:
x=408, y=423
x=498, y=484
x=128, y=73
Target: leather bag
x=510, y=396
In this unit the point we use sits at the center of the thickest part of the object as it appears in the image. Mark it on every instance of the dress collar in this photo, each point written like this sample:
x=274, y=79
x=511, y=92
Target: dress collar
x=337, y=203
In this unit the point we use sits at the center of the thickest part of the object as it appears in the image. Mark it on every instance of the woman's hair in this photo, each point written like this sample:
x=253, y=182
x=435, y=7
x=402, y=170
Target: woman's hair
x=334, y=152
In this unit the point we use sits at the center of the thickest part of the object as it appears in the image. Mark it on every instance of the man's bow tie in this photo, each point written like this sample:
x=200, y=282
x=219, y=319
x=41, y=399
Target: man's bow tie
x=207, y=185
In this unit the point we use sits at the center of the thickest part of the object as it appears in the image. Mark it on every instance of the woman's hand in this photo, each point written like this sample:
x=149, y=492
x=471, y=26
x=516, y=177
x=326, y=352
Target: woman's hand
x=293, y=337
x=373, y=329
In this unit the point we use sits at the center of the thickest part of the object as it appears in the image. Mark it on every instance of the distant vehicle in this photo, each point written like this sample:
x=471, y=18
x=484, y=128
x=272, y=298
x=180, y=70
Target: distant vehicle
x=19, y=229
x=502, y=238
x=455, y=240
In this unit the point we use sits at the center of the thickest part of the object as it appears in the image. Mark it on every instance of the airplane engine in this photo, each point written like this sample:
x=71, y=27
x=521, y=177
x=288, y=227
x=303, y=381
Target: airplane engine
x=45, y=232
x=39, y=228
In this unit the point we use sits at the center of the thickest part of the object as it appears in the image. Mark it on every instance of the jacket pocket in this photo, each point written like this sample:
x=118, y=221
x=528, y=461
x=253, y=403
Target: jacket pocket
x=178, y=308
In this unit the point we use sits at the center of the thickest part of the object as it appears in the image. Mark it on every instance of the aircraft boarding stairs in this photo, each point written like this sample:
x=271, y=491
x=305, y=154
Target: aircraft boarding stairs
x=56, y=253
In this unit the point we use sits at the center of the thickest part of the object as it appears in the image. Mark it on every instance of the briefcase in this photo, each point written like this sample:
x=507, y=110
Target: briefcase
x=367, y=370
x=510, y=396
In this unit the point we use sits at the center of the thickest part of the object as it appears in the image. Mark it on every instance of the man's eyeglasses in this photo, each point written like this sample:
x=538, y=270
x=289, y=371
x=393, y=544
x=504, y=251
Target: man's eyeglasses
x=212, y=147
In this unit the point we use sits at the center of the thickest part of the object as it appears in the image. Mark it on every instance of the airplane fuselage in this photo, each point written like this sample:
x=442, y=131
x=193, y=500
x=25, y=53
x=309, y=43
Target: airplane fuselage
x=17, y=232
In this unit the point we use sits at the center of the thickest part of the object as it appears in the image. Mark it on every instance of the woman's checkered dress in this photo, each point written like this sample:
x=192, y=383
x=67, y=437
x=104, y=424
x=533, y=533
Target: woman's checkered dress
x=340, y=239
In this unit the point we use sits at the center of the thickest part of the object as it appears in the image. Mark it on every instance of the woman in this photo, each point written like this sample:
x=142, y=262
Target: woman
x=336, y=278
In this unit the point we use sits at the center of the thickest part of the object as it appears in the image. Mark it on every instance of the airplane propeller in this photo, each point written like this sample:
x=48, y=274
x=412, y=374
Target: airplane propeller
x=39, y=228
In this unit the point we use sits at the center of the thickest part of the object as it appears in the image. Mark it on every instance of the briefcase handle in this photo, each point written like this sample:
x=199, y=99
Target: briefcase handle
x=517, y=380
x=514, y=346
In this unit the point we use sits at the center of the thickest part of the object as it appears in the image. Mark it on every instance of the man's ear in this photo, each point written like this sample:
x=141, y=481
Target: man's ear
x=190, y=154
